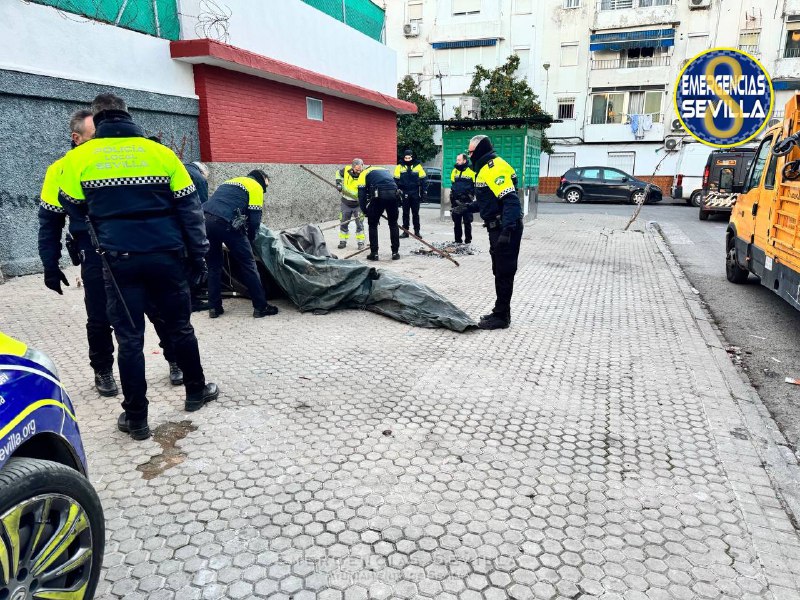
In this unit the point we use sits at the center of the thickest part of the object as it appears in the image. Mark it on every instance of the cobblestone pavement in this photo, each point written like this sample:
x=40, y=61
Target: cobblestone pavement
x=592, y=450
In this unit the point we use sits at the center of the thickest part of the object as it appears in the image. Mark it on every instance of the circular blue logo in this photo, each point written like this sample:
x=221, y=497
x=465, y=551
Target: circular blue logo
x=724, y=97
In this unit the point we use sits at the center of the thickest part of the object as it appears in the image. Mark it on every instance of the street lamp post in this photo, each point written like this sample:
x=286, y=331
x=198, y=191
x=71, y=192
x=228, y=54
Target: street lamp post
x=546, y=67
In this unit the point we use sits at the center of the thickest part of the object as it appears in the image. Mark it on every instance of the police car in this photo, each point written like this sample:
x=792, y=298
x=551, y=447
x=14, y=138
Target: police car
x=52, y=529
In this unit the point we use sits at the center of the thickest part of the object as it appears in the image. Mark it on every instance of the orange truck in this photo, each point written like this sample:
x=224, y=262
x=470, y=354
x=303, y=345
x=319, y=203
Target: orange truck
x=763, y=235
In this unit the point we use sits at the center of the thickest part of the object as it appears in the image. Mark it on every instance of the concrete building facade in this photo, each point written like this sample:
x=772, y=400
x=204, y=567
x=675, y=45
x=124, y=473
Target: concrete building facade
x=238, y=88
x=602, y=67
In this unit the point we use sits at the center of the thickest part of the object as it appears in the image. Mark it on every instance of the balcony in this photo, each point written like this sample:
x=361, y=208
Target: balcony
x=622, y=132
x=754, y=50
x=791, y=53
x=623, y=4
x=631, y=63
x=613, y=14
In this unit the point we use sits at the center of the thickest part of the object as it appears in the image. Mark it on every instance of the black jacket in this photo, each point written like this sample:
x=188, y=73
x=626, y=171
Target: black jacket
x=137, y=193
x=375, y=182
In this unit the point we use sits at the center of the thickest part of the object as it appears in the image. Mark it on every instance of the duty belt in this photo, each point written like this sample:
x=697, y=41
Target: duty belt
x=493, y=224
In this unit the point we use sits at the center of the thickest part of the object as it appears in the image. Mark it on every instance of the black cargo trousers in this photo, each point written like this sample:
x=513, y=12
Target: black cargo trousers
x=154, y=281
x=504, y=267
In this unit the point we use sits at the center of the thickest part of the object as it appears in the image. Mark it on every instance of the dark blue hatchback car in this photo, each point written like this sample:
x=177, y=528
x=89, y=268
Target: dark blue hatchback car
x=52, y=528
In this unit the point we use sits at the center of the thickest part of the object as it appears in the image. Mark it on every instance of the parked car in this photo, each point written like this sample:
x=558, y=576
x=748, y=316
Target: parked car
x=604, y=184
x=433, y=189
x=52, y=517
x=688, y=182
x=723, y=180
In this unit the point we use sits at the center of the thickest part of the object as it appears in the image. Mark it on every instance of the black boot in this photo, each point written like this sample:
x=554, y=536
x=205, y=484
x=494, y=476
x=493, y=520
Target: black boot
x=138, y=430
x=372, y=256
x=404, y=234
x=494, y=322
x=267, y=311
x=396, y=256
x=175, y=374
x=196, y=400
x=213, y=313
x=105, y=383
x=342, y=244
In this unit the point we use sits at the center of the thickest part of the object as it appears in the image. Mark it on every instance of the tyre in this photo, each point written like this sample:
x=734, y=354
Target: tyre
x=54, y=531
x=704, y=215
x=637, y=197
x=573, y=196
x=733, y=271
x=695, y=198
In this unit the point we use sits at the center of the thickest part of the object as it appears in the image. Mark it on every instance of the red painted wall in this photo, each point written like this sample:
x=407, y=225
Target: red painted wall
x=250, y=119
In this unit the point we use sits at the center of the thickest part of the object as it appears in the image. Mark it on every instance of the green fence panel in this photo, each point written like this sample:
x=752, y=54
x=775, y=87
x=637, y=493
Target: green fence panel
x=153, y=17
x=521, y=148
x=361, y=15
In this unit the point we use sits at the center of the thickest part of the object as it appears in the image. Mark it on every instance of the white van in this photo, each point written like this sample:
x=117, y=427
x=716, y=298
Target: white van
x=688, y=181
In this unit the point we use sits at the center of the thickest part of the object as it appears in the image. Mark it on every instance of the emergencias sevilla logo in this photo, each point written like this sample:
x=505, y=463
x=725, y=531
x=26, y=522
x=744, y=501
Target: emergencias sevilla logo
x=724, y=97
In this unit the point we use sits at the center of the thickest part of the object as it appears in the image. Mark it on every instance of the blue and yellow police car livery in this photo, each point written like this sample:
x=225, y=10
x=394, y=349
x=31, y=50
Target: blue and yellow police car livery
x=105, y=177
x=52, y=531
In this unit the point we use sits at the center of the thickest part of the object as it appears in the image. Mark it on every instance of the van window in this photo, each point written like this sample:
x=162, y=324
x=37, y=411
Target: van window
x=760, y=161
x=726, y=180
x=769, y=180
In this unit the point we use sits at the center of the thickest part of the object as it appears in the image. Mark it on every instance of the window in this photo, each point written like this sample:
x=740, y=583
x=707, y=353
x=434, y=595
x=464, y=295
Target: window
x=612, y=175
x=607, y=108
x=560, y=163
x=314, y=109
x=792, y=49
x=624, y=161
x=572, y=3
x=645, y=103
x=524, y=54
x=523, y=7
x=590, y=174
x=697, y=43
x=615, y=4
x=415, y=64
x=566, y=108
x=748, y=41
x=641, y=57
x=569, y=54
x=769, y=180
x=655, y=2
x=758, y=164
x=414, y=12
x=466, y=7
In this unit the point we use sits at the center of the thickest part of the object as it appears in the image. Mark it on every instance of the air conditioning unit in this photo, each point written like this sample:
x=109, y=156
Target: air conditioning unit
x=676, y=125
x=672, y=143
x=699, y=4
x=470, y=107
x=411, y=29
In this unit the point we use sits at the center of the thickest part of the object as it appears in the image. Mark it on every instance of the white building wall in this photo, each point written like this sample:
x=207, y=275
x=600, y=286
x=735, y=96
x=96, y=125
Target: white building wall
x=41, y=40
x=296, y=33
x=550, y=26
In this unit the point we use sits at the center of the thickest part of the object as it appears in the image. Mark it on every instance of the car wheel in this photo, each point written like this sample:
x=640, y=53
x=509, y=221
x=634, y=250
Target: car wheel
x=695, y=198
x=573, y=196
x=704, y=215
x=637, y=197
x=733, y=271
x=54, y=531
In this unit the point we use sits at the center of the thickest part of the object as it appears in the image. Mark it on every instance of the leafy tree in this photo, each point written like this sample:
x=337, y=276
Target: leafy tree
x=504, y=96
x=412, y=131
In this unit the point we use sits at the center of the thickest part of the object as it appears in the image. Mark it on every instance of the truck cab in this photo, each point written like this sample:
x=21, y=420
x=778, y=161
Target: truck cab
x=762, y=235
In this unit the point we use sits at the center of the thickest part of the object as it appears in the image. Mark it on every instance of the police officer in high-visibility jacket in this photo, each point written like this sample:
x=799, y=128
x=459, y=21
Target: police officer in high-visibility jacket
x=462, y=191
x=377, y=193
x=139, y=200
x=350, y=210
x=233, y=216
x=410, y=178
x=499, y=206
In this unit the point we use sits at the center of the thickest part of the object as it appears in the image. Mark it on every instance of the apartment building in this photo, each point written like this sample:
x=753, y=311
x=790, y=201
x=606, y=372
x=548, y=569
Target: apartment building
x=605, y=68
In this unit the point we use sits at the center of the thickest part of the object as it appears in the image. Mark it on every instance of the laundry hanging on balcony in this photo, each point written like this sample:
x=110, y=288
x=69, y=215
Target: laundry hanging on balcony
x=623, y=40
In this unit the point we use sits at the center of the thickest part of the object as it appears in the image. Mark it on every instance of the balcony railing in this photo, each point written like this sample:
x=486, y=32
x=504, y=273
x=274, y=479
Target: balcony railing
x=622, y=4
x=749, y=49
x=791, y=53
x=631, y=63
